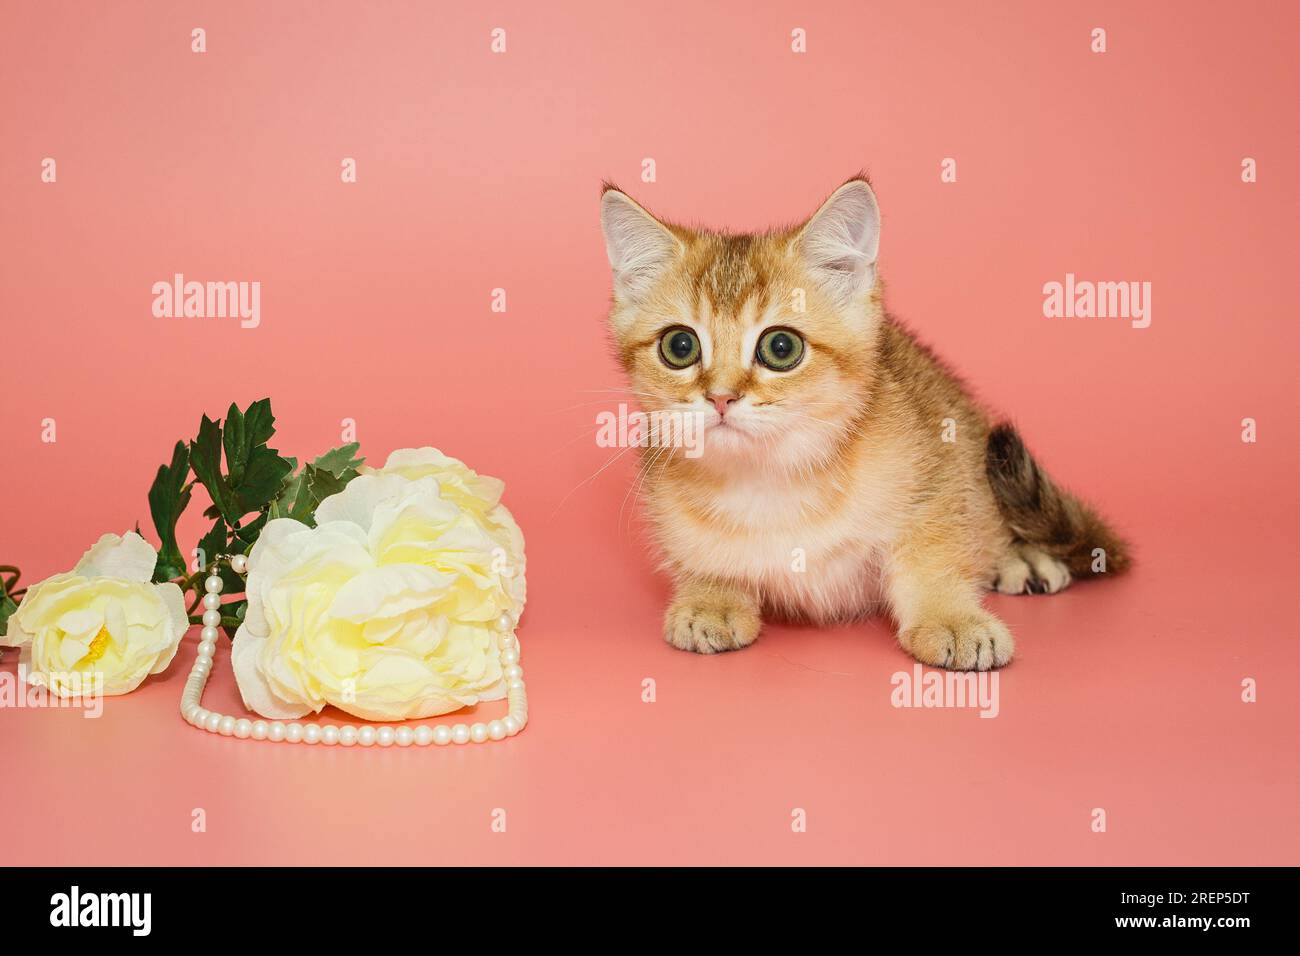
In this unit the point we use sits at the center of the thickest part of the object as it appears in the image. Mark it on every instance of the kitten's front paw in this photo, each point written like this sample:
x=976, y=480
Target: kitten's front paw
x=970, y=642
x=710, y=626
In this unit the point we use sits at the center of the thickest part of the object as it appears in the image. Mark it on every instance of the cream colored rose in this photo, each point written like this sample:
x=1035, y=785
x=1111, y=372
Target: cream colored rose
x=387, y=608
x=102, y=618
x=480, y=495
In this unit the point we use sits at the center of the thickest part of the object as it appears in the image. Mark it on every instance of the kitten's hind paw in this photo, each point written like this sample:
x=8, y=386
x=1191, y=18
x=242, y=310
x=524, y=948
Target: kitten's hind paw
x=1031, y=571
x=707, y=622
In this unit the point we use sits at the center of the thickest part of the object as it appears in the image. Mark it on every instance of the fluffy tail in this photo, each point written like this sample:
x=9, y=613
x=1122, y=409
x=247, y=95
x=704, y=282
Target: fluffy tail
x=1041, y=514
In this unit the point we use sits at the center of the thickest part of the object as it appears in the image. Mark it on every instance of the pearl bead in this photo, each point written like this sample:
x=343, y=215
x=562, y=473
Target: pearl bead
x=329, y=735
x=206, y=650
x=516, y=684
x=478, y=733
x=405, y=736
x=293, y=733
x=514, y=672
x=275, y=732
x=227, y=726
x=366, y=736
x=200, y=717
x=213, y=584
x=311, y=734
x=260, y=729
x=212, y=601
x=243, y=728
x=347, y=735
x=510, y=656
x=209, y=634
x=212, y=722
x=496, y=730
x=511, y=724
x=442, y=735
x=212, y=617
x=239, y=563
x=460, y=734
x=423, y=735
x=505, y=622
x=506, y=641
x=384, y=736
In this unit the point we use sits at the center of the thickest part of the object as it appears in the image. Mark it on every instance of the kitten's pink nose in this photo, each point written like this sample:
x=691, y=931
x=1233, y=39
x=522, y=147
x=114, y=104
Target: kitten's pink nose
x=721, y=401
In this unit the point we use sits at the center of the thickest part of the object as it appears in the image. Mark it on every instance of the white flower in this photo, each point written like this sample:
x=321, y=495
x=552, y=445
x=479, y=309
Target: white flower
x=102, y=618
x=387, y=608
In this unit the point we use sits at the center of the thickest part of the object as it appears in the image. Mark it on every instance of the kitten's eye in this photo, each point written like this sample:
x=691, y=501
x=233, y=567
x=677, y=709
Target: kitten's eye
x=780, y=349
x=679, y=348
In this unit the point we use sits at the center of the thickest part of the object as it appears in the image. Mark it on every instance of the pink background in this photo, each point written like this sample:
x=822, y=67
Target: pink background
x=479, y=171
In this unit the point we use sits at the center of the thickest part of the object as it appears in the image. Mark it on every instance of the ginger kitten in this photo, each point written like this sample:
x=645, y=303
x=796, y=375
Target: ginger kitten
x=824, y=489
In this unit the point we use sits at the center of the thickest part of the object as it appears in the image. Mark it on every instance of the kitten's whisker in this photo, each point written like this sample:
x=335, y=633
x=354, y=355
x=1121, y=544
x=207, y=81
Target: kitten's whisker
x=592, y=477
x=614, y=391
x=666, y=461
x=635, y=490
x=588, y=432
x=594, y=401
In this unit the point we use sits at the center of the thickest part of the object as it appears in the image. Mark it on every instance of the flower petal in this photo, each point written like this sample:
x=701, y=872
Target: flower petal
x=130, y=557
x=389, y=592
x=253, y=686
x=357, y=502
x=177, y=625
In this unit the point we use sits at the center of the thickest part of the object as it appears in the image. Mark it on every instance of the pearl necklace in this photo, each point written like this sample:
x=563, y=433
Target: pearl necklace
x=346, y=736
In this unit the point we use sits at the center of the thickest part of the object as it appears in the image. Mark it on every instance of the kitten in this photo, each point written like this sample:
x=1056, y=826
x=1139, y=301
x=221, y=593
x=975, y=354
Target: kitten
x=843, y=469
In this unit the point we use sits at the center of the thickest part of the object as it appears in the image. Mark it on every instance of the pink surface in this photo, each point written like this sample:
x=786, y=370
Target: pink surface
x=478, y=171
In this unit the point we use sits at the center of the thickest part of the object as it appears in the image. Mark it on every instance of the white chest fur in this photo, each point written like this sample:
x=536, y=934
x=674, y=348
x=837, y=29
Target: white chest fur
x=810, y=550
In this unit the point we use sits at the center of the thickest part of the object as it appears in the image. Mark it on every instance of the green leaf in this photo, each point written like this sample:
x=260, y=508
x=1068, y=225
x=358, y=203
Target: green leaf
x=168, y=496
x=340, y=462
x=245, y=431
x=279, y=508
x=213, y=543
x=249, y=532
x=262, y=479
x=302, y=493
x=7, y=607
x=320, y=485
x=254, y=472
x=232, y=615
x=231, y=583
x=205, y=459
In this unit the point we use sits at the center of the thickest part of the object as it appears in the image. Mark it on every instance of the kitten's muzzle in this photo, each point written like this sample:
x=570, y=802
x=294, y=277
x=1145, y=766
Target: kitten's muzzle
x=721, y=401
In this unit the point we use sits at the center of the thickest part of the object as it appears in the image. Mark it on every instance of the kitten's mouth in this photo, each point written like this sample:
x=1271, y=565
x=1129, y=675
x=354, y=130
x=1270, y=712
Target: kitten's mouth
x=730, y=428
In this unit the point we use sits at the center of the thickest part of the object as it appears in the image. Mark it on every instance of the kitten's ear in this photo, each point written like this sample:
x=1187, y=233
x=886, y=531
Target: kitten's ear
x=840, y=242
x=639, y=246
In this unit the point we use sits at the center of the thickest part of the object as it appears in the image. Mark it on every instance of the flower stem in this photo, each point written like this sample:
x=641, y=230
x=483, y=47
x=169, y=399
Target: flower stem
x=9, y=584
x=227, y=620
